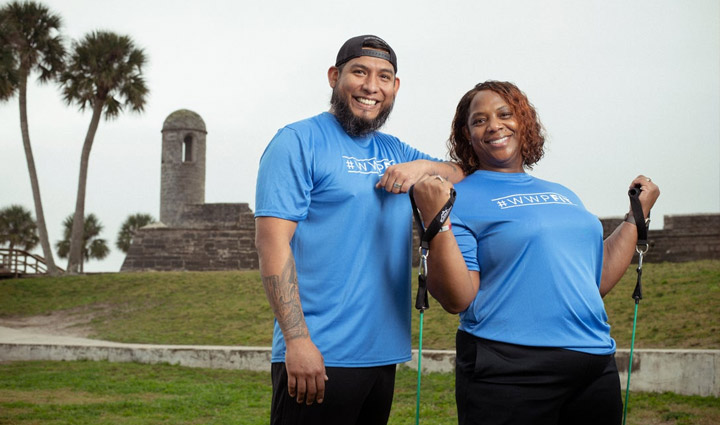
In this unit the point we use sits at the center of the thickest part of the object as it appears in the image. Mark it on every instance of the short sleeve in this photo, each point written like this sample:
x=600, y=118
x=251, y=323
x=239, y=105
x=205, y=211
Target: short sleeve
x=467, y=242
x=284, y=177
x=412, y=154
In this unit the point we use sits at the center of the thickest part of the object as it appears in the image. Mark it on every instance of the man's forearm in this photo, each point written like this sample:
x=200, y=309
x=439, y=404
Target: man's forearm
x=449, y=170
x=282, y=293
x=279, y=277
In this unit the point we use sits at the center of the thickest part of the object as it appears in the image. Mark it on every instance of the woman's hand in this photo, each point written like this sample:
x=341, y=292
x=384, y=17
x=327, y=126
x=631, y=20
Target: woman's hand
x=431, y=193
x=649, y=193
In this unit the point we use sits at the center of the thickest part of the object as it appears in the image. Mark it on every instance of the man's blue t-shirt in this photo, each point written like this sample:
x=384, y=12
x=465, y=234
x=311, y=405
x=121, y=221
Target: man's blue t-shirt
x=352, y=244
x=539, y=253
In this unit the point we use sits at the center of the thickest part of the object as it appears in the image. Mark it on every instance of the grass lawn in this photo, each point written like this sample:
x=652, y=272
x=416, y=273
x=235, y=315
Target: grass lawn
x=679, y=310
x=99, y=393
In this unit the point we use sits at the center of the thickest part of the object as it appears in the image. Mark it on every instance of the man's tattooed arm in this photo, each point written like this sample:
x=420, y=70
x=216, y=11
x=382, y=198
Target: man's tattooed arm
x=450, y=171
x=284, y=297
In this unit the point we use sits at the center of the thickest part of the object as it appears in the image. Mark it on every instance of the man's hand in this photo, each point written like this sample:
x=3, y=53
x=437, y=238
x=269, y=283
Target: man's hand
x=399, y=177
x=306, y=371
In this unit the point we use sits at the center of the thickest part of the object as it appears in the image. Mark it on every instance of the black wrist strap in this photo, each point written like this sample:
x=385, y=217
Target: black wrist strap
x=638, y=215
x=426, y=235
x=642, y=242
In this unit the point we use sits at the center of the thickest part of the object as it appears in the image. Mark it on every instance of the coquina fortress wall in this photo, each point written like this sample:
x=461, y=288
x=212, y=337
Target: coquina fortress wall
x=221, y=237
x=683, y=238
x=193, y=235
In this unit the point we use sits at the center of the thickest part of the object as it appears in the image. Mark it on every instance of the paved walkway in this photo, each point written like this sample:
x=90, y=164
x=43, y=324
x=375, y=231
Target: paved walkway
x=26, y=344
x=21, y=344
x=23, y=336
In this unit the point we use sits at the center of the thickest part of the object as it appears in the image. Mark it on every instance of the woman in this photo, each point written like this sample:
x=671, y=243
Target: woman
x=525, y=267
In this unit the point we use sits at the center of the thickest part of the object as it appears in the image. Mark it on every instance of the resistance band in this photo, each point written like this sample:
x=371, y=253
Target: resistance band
x=421, y=300
x=641, y=248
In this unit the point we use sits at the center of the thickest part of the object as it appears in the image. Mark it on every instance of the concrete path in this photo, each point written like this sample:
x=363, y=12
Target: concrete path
x=688, y=372
x=23, y=336
x=19, y=345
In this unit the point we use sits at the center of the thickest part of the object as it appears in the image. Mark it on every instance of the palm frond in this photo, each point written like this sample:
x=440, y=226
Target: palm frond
x=18, y=228
x=93, y=247
x=105, y=67
x=129, y=227
x=32, y=33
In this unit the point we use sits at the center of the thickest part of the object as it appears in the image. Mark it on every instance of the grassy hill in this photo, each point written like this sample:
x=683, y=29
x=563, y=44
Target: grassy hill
x=679, y=309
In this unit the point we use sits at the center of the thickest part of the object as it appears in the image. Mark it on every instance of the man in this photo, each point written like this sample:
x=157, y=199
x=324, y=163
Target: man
x=334, y=242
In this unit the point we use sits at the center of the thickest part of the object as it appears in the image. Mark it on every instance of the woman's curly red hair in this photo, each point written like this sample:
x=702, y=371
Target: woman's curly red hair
x=531, y=132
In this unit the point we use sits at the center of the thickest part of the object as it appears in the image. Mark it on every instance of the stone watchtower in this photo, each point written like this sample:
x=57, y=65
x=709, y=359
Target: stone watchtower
x=191, y=235
x=183, y=165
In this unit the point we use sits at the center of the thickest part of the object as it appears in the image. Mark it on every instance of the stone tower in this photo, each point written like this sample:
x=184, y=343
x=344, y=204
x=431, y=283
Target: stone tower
x=183, y=165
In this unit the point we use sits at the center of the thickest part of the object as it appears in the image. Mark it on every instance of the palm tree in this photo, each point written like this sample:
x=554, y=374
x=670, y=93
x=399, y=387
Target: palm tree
x=92, y=247
x=129, y=227
x=30, y=40
x=8, y=70
x=104, y=72
x=17, y=229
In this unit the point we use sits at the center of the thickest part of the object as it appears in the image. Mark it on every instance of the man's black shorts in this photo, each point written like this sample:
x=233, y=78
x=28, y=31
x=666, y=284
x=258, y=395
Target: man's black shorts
x=361, y=396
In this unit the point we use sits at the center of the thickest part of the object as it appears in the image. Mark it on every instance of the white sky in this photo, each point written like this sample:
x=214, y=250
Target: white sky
x=623, y=88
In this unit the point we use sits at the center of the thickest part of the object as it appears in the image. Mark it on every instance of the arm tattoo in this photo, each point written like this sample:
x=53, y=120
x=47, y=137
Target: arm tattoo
x=452, y=167
x=282, y=292
x=443, y=172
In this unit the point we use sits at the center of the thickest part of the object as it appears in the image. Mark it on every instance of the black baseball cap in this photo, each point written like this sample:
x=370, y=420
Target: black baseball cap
x=365, y=45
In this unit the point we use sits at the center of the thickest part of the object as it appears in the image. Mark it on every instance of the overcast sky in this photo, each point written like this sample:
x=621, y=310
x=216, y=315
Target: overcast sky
x=623, y=88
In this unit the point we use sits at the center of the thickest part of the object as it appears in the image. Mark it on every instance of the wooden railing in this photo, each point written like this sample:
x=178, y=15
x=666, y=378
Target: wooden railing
x=18, y=263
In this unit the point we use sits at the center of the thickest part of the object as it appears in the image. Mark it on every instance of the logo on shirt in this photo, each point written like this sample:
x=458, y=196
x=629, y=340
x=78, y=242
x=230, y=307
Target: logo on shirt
x=531, y=199
x=366, y=166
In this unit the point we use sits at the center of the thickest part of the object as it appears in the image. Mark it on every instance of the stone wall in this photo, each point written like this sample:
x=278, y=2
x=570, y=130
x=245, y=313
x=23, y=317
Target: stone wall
x=218, y=216
x=187, y=176
x=683, y=238
x=221, y=237
x=176, y=249
x=211, y=237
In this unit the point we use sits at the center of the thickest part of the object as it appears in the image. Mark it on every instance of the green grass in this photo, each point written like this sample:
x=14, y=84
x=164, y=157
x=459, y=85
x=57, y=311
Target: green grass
x=679, y=308
x=209, y=308
x=126, y=393
x=98, y=393
x=672, y=409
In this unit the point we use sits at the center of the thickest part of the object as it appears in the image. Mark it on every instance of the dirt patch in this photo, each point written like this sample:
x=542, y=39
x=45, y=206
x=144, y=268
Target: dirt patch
x=74, y=322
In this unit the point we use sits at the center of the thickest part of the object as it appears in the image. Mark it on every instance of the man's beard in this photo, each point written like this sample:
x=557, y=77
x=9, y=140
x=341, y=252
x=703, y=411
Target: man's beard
x=353, y=125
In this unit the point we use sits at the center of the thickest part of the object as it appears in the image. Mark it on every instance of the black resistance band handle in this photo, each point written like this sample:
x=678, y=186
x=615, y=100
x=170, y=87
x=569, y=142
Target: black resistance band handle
x=637, y=293
x=422, y=302
x=426, y=235
x=642, y=243
x=638, y=215
x=421, y=299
